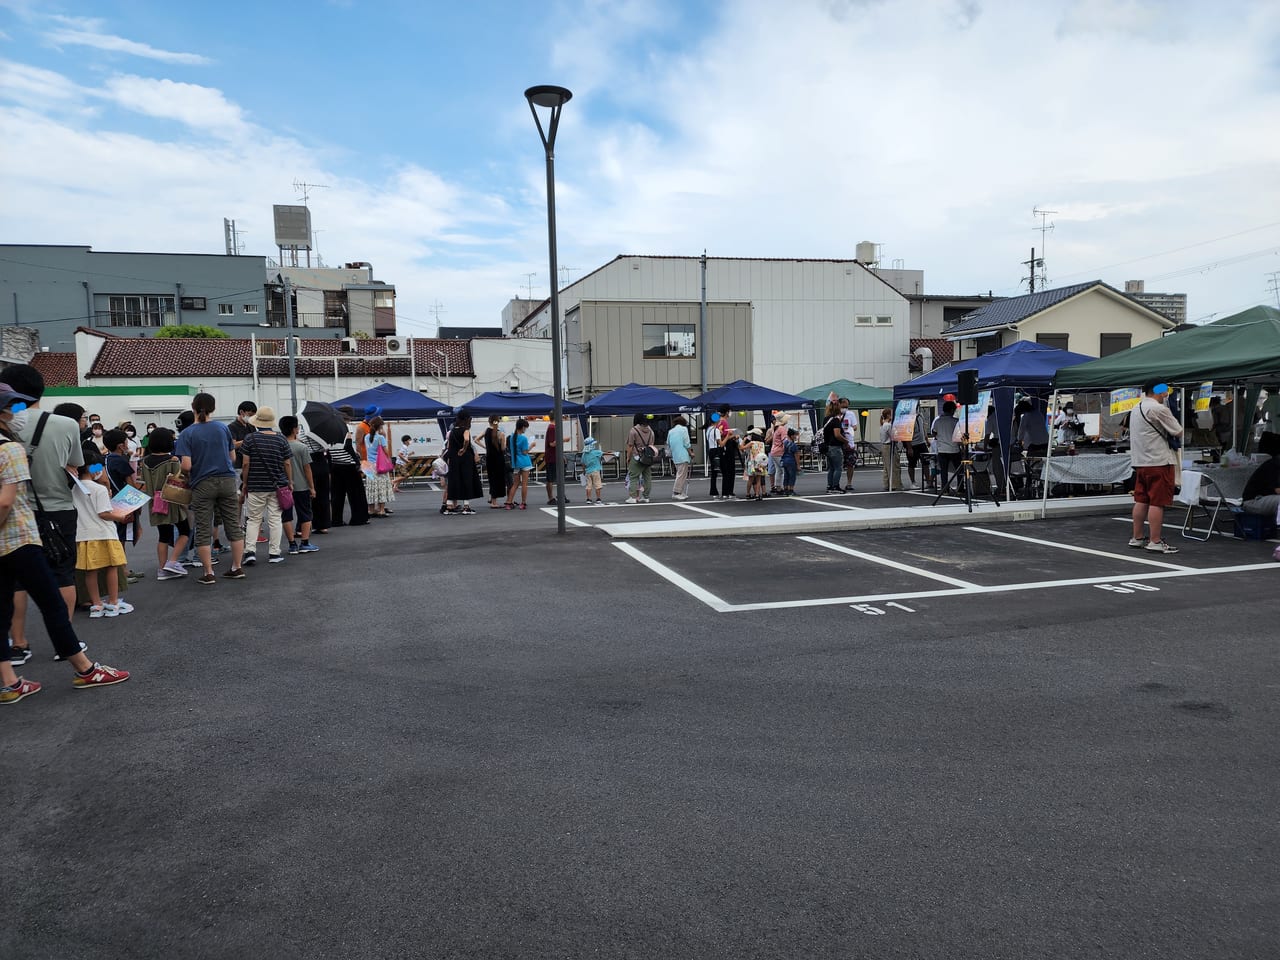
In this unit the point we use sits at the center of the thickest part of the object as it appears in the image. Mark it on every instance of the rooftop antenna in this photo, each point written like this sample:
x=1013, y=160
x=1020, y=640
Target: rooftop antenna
x=1045, y=229
x=1274, y=285
x=564, y=274
x=528, y=282
x=435, y=310
x=305, y=189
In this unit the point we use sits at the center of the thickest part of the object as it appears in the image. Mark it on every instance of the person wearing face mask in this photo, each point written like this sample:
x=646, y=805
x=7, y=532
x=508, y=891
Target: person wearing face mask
x=131, y=438
x=52, y=444
x=95, y=437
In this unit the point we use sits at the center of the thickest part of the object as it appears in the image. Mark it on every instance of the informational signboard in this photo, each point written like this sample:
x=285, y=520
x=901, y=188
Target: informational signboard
x=904, y=420
x=1203, y=395
x=1124, y=400
x=977, y=413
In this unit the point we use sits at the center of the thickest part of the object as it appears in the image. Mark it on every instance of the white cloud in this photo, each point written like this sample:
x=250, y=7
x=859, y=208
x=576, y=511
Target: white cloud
x=89, y=32
x=201, y=108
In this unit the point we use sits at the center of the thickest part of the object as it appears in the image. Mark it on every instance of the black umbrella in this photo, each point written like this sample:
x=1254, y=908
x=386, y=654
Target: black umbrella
x=324, y=422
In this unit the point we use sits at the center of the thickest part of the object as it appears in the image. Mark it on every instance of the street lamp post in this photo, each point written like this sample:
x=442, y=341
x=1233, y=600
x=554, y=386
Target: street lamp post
x=553, y=99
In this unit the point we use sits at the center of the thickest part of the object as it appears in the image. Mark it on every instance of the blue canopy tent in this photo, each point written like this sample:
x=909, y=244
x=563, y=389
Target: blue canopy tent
x=745, y=395
x=636, y=398
x=508, y=404
x=1023, y=365
x=397, y=403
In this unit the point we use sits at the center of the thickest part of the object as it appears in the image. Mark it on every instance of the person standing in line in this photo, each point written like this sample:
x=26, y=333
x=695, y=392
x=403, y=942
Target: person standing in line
x=776, y=439
x=268, y=466
x=464, y=474
x=640, y=475
x=593, y=470
x=121, y=474
x=917, y=448
x=1152, y=428
x=99, y=551
x=23, y=563
x=943, y=431
x=346, y=479
x=889, y=452
x=496, y=462
x=240, y=427
x=757, y=464
x=833, y=437
x=730, y=462
x=521, y=464
x=51, y=445
x=714, y=435
x=377, y=487
x=320, y=505
x=550, y=459
x=849, y=424
x=364, y=429
x=206, y=449
x=680, y=444
x=790, y=451
x=300, y=515
x=173, y=533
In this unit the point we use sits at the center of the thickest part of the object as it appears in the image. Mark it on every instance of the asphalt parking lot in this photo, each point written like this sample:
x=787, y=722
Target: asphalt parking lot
x=469, y=737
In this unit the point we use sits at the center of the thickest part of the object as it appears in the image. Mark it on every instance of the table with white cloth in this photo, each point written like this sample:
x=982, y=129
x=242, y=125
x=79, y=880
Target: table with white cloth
x=1096, y=468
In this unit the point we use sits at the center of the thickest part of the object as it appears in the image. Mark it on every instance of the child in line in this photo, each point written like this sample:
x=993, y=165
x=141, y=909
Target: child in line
x=173, y=531
x=593, y=469
x=403, y=455
x=757, y=465
x=98, y=546
x=440, y=474
x=788, y=461
x=521, y=464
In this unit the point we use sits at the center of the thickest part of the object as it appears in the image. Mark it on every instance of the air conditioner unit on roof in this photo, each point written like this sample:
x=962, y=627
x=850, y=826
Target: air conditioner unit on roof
x=350, y=345
x=397, y=347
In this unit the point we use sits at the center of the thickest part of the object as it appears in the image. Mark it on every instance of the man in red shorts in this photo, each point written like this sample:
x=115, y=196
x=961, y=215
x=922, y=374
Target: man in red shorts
x=1151, y=428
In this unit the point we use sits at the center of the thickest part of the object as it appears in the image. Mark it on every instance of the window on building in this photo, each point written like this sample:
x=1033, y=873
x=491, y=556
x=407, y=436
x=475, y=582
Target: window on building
x=384, y=300
x=985, y=345
x=1056, y=340
x=226, y=309
x=141, y=311
x=1110, y=343
x=194, y=303
x=862, y=321
x=952, y=315
x=250, y=307
x=884, y=321
x=668, y=340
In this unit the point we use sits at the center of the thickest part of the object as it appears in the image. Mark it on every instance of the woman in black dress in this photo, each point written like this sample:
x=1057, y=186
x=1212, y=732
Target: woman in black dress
x=496, y=464
x=464, y=475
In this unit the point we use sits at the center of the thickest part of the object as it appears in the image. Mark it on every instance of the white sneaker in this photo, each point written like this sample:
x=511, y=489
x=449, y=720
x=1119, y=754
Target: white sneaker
x=109, y=610
x=176, y=568
x=644, y=499
x=1161, y=546
x=679, y=496
x=123, y=606
x=631, y=500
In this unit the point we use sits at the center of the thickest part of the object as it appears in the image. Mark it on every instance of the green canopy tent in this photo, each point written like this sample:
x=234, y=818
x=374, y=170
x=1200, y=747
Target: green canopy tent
x=1244, y=352
x=861, y=396
x=1260, y=312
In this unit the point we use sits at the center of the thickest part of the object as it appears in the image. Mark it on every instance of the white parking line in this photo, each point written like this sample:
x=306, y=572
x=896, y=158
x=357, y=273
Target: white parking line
x=688, y=586
x=551, y=512
x=942, y=578
x=828, y=503
x=709, y=513
x=1074, y=549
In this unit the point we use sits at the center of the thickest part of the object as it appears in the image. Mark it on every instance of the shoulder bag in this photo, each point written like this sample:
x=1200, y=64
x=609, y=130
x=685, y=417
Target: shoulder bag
x=56, y=547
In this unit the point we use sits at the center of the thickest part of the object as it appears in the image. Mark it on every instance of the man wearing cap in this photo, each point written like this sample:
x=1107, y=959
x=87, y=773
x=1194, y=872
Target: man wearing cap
x=59, y=448
x=1151, y=428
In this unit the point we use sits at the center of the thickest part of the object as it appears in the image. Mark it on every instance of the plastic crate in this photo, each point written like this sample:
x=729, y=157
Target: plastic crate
x=1253, y=526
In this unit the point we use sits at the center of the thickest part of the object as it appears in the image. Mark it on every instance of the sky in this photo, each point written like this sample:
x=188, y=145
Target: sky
x=1151, y=130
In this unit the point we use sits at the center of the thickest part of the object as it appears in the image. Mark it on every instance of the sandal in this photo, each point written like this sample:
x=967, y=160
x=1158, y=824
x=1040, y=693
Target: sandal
x=508, y=506
x=524, y=506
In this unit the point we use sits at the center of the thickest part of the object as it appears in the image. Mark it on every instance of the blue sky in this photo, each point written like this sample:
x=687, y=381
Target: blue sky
x=749, y=128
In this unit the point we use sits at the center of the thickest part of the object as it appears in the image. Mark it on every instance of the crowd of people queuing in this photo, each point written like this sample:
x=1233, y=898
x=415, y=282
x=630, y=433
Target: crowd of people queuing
x=211, y=490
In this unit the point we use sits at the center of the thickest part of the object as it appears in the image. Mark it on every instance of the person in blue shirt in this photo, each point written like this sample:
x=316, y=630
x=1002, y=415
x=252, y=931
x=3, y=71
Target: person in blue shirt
x=593, y=469
x=521, y=464
x=679, y=443
x=205, y=449
x=789, y=451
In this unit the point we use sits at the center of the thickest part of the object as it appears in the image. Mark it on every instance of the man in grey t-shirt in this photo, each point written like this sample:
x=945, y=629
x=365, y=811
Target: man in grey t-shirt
x=59, y=448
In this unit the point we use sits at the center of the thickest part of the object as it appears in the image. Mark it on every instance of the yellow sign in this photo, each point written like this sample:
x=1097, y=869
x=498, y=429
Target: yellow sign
x=1122, y=401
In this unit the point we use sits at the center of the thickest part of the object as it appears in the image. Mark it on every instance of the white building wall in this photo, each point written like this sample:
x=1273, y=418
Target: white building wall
x=803, y=326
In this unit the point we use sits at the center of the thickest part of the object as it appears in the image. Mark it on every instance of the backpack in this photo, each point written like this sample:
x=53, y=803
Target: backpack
x=646, y=456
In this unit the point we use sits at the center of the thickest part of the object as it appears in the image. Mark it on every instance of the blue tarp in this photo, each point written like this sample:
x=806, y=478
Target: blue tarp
x=507, y=404
x=636, y=398
x=397, y=403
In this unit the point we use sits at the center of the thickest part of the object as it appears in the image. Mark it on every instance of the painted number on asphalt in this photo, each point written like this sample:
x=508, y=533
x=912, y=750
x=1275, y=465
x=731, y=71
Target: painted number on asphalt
x=1127, y=587
x=871, y=611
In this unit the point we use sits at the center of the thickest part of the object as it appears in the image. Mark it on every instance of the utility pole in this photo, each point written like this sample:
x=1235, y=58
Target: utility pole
x=293, y=354
x=1031, y=265
x=702, y=324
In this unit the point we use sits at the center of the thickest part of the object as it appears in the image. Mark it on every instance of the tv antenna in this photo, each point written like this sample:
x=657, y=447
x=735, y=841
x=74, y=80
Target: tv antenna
x=305, y=189
x=564, y=275
x=1045, y=229
x=528, y=282
x=435, y=310
x=1274, y=285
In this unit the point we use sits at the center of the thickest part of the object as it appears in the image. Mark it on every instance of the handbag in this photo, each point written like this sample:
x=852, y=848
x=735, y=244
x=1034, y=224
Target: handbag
x=159, y=505
x=56, y=547
x=285, y=496
x=383, y=463
x=176, y=489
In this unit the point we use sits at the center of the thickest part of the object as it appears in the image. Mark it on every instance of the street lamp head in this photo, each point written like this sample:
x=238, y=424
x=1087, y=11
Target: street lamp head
x=547, y=96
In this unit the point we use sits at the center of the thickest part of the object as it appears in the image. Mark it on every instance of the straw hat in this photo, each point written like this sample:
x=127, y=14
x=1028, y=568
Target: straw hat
x=265, y=417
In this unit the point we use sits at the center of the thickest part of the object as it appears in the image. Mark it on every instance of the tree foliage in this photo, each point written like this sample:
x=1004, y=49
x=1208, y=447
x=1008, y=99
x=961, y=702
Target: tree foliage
x=196, y=331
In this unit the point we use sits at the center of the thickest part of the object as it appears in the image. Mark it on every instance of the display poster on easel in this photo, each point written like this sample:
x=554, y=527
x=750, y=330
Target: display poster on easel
x=977, y=424
x=1203, y=395
x=904, y=420
x=1124, y=400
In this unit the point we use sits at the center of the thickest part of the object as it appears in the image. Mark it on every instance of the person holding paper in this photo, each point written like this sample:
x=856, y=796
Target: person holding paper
x=98, y=548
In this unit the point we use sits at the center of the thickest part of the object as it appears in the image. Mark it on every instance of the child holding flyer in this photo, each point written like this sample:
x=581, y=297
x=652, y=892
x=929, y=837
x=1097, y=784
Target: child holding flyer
x=98, y=546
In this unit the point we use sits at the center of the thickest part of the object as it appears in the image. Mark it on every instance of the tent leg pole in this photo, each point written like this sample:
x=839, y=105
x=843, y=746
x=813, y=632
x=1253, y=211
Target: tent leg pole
x=1048, y=456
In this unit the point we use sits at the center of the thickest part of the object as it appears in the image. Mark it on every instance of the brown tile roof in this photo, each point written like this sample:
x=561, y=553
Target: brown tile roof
x=58, y=369
x=182, y=357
